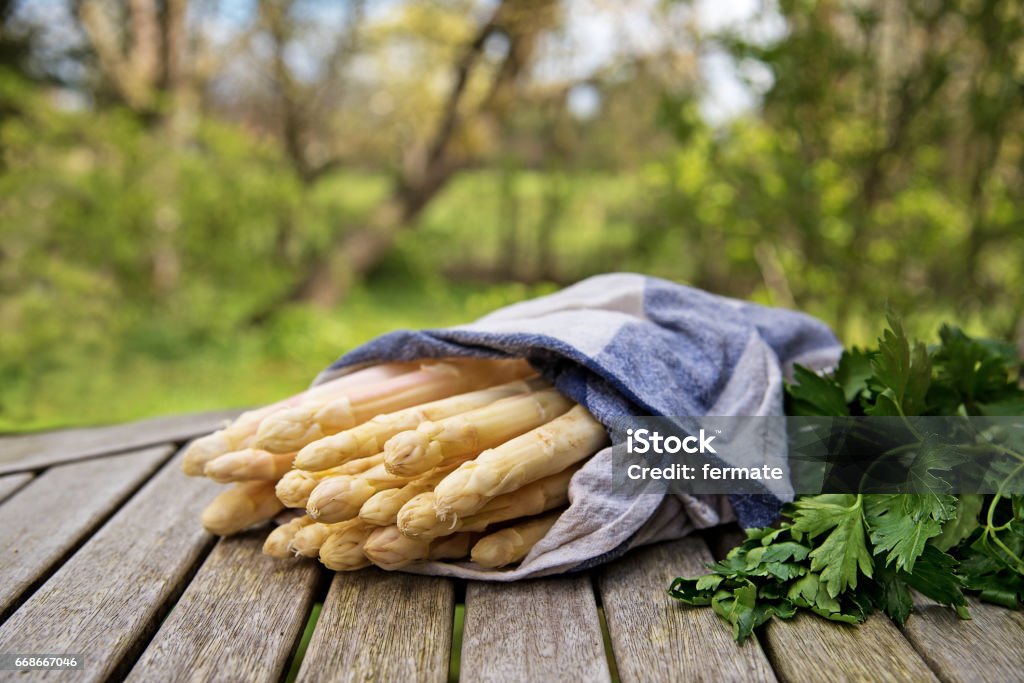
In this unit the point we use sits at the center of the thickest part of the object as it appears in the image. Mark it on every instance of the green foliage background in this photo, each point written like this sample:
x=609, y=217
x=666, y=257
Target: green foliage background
x=861, y=181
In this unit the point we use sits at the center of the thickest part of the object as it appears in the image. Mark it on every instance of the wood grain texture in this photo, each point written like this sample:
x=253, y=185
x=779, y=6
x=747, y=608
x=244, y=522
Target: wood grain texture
x=11, y=483
x=654, y=638
x=36, y=451
x=989, y=647
x=47, y=519
x=381, y=626
x=812, y=649
x=239, y=619
x=108, y=599
x=538, y=630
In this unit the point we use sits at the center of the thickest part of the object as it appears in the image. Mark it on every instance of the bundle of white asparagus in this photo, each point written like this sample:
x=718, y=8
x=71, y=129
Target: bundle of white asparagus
x=460, y=459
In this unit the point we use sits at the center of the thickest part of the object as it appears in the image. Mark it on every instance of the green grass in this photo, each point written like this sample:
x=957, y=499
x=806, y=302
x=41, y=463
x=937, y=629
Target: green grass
x=607, y=640
x=307, y=635
x=138, y=380
x=71, y=364
x=455, y=659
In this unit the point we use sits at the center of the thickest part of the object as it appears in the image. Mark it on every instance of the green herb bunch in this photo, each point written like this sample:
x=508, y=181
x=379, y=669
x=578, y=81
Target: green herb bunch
x=842, y=556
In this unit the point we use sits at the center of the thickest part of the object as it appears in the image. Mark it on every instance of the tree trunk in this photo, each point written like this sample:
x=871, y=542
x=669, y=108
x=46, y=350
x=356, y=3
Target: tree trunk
x=508, y=220
x=555, y=202
x=354, y=254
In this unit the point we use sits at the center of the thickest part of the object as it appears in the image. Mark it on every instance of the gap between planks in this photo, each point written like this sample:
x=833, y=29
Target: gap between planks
x=988, y=647
x=48, y=519
x=809, y=648
x=243, y=612
x=107, y=600
x=934, y=641
x=654, y=638
x=385, y=626
x=10, y=484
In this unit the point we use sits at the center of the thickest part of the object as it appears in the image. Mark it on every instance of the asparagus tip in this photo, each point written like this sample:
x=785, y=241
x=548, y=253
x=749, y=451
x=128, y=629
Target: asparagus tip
x=325, y=453
x=203, y=450
x=230, y=466
x=287, y=430
x=404, y=451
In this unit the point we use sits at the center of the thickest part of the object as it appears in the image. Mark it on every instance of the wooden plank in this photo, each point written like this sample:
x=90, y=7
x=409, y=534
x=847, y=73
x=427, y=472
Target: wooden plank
x=541, y=630
x=811, y=649
x=107, y=600
x=381, y=626
x=240, y=617
x=989, y=647
x=36, y=451
x=654, y=638
x=11, y=483
x=47, y=519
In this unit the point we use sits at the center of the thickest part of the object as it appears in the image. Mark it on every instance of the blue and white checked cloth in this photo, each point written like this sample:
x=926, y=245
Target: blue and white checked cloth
x=627, y=344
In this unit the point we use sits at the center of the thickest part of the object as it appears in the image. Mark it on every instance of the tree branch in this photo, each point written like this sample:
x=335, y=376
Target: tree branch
x=130, y=64
x=355, y=253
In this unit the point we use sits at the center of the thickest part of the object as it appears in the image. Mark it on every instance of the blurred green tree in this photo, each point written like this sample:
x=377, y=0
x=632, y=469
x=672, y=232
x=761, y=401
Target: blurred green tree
x=185, y=185
x=884, y=165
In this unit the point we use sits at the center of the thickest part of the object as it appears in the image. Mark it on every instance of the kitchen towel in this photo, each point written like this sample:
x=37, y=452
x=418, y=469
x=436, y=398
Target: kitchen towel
x=626, y=344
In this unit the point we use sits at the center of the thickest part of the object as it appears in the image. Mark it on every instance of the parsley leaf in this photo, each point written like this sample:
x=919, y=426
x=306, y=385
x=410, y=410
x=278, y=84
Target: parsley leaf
x=893, y=594
x=843, y=551
x=902, y=373
x=902, y=524
x=963, y=522
x=853, y=374
x=813, y=395
x=935, y=579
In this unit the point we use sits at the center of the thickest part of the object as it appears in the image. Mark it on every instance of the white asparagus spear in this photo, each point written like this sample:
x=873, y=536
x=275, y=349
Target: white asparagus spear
x=294, y=487
x=382, y=507
x=419, y=519
x=390, y=549
x=369, y=438
x=241, y=433
x=279, y=540
x=249, y=464
x=343, y=550
x=240, y=507
x=434, y=443
x=336, y=499
x=513, y=543
x=308, y=541
x=544, y=451
x=454, y=547
x=291, y=429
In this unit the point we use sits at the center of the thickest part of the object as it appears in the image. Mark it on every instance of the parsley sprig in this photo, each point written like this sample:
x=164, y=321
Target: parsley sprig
x=842, y=556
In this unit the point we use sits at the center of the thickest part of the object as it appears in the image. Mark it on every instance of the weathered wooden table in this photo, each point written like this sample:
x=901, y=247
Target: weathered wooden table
x=102, y=555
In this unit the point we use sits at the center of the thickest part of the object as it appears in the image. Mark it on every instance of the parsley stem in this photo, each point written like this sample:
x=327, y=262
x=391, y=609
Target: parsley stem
x=989, y=446
x=1010, y=452
x=991, y=530
x=906, y=421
